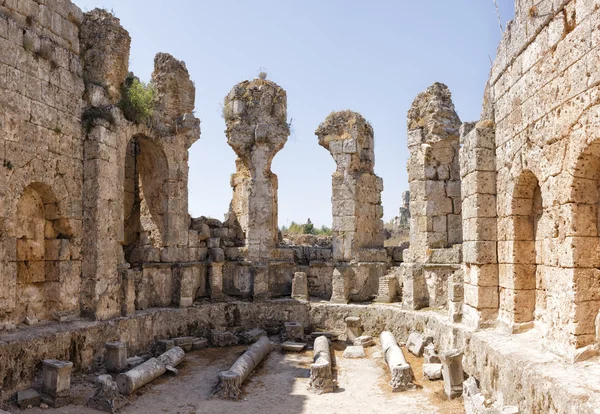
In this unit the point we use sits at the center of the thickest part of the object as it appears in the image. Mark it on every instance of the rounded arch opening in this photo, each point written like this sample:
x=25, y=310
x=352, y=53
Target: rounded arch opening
x=145, y=196
x=42, y=242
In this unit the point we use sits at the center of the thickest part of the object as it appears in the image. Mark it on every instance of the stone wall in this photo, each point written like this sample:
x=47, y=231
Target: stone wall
x=498, y=362
x=41, y=87
x=542, y=97
x=143, y=218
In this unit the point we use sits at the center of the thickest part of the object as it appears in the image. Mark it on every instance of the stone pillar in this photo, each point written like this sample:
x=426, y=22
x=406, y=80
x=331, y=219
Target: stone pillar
x=260, y=273
x=256, y=116
x=354, y=328
x=404, y=211
x=433, y=174
x=116, y=356
x=56, y=382
x=452, y=372
x=321, y=378
x=173, y=119
x=300, y=286
x=105, y=51
x=435, y=200
x=340, y=285
x=478, y=172
x=455, y=296
x=356, y=192
x=215, y=275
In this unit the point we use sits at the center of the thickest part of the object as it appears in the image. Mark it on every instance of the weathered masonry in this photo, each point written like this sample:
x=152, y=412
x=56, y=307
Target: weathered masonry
x=98, y=246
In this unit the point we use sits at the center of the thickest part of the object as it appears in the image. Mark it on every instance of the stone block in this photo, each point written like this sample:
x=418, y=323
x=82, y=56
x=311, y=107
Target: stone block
x=445, y=256
x=199, y=343
x=517, y=276
x=213, y=243
x=354, y=352
x=31, y=272
x=184, y=342
x=115, y=359
x=340, y=285
x=56, y=378
x=291, y=346
x=452, y=372
x=353, y=328
x=371, y=255
x=481, y=296
x=58, y=249
x=252, y=335
x=32, y=250
x=414, y=287
x=479, y=252
x=416, y=343
x=163, y=345
x=300, y=286
x=217, y=255
x=481, y=275
x=432, y=371
x=293, y=331
x=222, y=338
x=134, y=361
x=28, y=399
x=430, y=356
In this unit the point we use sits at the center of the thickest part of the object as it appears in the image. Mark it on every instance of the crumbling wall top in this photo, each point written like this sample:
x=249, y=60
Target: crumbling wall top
x=433, y=112
x=255, y=112
x=353, y=135
x=105, y=48
x=175, y=91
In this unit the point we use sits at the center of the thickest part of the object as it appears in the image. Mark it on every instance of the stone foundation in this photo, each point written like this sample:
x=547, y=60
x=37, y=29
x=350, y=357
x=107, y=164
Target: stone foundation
x=513, y=364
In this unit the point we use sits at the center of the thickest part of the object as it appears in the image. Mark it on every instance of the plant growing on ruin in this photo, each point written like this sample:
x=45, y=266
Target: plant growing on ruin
x=137, y=100
x=306, y=228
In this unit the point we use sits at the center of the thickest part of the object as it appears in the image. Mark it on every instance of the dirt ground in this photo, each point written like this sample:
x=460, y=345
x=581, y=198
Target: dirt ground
x=277, y=385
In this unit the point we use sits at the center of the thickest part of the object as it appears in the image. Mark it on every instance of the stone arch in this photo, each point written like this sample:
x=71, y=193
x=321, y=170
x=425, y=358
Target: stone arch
x=520, y=253
x=145, y=194
x=42, y=236
x=580, y=211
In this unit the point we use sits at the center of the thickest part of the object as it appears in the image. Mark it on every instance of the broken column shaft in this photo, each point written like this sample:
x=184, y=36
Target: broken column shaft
x=139, y=376
x=153, y=368
x=402, y=374
x=321, y=377
x=230, y=382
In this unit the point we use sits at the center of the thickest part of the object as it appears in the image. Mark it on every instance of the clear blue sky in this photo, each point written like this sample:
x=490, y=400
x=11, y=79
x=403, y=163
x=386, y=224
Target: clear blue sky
x=373, y=57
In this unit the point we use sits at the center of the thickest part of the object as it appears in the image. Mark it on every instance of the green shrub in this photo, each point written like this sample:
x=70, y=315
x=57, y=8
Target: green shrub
x=306, y=228
x=137, y=100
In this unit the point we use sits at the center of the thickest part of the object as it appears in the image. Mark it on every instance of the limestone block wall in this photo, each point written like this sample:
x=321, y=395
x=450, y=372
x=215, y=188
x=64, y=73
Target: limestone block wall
x=135, y=181
x=478, y=191
x=543, y=93
x=356, y=190
x=41, y=89
x=434, y=254
x=433, y=174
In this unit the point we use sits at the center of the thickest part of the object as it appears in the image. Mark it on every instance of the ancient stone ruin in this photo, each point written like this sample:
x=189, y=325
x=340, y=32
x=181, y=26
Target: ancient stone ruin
x=103, y=270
